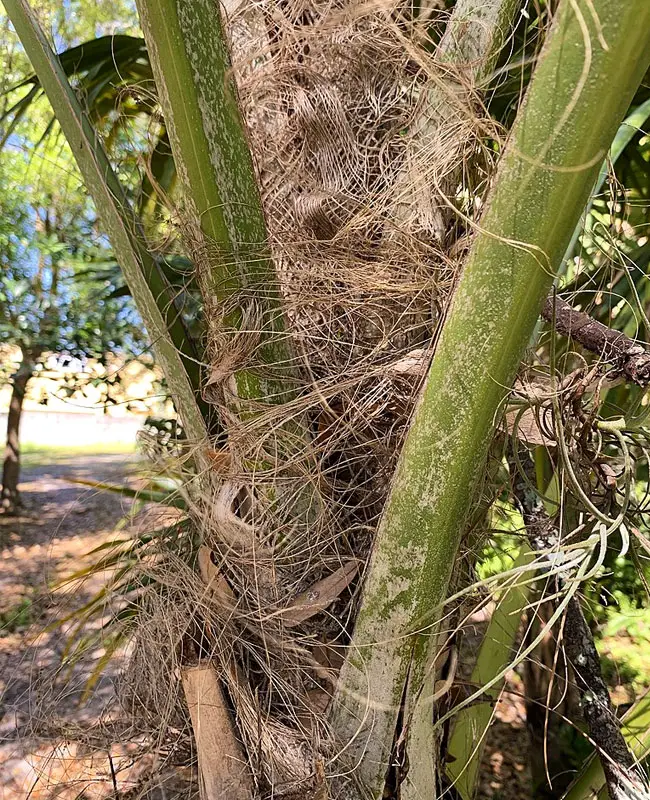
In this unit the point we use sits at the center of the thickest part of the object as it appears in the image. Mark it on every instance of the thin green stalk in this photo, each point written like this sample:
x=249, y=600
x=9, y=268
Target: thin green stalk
x=191, y=64
x=580, y=92
x=148, y=286
x=497, y=652
x=471, y=725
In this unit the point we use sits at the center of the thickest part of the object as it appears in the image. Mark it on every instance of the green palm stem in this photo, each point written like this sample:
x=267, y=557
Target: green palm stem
x=581, y=90
x=224, y=220
x=470, y=728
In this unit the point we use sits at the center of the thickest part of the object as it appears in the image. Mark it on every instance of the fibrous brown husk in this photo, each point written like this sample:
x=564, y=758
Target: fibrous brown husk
x=333, y=94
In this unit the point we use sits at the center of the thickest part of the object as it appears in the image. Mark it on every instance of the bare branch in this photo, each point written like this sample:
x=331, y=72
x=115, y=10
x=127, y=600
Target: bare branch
x=628, y=357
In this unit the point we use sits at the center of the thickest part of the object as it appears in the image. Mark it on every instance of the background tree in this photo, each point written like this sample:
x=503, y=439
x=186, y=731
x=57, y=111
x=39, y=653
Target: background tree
x=51, y=300
x=59, y=287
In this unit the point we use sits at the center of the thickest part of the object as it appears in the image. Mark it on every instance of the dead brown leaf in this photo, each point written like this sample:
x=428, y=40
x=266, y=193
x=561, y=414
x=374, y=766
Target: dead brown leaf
x=214, y=580
x=322, y=594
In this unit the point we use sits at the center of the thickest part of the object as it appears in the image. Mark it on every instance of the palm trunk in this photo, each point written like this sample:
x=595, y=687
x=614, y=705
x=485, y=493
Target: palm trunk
x=11, y=465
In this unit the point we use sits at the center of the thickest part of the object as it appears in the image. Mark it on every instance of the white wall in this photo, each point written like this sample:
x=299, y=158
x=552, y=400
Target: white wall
x=61, y=429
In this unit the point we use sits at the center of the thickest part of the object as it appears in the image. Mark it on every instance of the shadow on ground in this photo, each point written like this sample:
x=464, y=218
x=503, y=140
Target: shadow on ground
x=46, y=748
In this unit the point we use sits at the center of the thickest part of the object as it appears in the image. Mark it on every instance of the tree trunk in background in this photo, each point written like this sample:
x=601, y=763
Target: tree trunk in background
x=11, y=464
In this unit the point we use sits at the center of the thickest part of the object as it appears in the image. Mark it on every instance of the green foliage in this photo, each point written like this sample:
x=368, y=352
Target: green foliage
x=48, y=304
x=620, y=609
x=49, y=241
x=502, y=546
x=22, y=615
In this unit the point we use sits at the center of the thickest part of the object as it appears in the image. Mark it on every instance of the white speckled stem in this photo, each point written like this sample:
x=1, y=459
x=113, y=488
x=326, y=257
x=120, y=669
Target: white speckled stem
x=592, y=63
x=191, y=65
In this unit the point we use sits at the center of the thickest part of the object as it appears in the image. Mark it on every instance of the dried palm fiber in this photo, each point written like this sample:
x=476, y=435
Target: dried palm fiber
x=334, y=95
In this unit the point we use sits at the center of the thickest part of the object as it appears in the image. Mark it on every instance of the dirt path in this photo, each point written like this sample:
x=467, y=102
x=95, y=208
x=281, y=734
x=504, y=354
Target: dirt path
x=62, y=522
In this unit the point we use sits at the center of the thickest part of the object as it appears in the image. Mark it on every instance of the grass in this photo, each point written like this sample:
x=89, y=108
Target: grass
x=33, y=454
x=19, y=616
